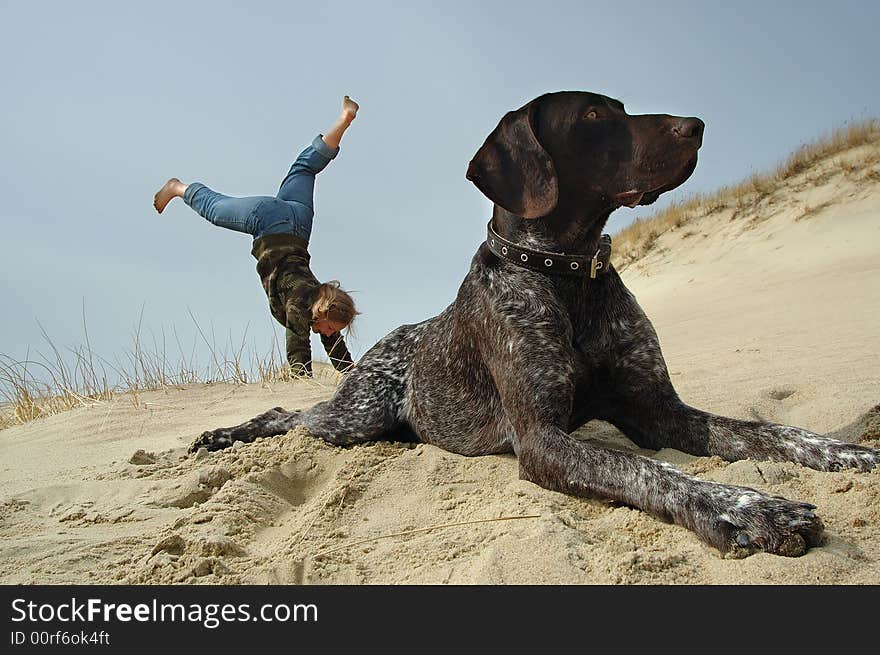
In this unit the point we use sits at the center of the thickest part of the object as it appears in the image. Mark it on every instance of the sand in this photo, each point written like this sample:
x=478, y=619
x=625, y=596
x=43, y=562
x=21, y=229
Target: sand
x=773, y=314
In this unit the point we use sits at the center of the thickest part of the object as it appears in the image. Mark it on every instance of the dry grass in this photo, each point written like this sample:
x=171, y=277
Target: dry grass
x=812, y=210
x=635, y=240
x=45, y=384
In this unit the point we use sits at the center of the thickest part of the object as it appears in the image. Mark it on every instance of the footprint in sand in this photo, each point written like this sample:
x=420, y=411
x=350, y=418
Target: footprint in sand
x=781, y=393
x=197, y=487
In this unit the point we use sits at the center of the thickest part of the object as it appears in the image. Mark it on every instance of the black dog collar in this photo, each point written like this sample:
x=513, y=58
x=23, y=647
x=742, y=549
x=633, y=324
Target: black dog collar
x=551, y=262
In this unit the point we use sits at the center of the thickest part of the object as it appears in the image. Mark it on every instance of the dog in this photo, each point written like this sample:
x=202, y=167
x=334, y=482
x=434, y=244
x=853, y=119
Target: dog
x=543, y=337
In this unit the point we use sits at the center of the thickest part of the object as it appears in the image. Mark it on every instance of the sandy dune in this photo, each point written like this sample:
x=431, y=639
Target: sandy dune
x=773, y=314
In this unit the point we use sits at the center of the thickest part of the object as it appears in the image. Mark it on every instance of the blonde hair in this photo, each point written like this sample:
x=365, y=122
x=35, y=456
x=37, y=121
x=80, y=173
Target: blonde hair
x=334, y=304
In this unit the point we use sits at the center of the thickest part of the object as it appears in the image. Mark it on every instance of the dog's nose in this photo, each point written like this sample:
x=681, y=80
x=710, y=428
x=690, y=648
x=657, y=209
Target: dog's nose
x=689, y=128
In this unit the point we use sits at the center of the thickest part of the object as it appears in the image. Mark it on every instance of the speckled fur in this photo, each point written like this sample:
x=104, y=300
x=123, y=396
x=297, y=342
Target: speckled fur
x=521, y=359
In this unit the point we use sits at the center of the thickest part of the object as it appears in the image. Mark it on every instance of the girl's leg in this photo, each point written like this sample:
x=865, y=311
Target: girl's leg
x=299, y=185
x=239, y=214
x=254, y=215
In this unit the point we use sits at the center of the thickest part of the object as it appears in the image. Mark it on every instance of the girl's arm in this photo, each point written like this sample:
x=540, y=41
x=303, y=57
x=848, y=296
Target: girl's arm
x=299, y=347
x=337, y=352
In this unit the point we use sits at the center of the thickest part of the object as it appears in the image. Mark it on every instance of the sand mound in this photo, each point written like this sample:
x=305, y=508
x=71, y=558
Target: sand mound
x=295, y=510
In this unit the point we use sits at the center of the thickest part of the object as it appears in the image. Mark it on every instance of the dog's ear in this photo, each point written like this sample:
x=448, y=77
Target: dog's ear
x=512, y=168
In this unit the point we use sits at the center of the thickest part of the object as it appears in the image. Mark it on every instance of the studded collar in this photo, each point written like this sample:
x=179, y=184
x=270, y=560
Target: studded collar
x=551, y=262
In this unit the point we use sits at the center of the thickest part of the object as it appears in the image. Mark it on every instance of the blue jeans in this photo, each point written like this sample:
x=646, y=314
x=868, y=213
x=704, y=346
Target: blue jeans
x=291, y=211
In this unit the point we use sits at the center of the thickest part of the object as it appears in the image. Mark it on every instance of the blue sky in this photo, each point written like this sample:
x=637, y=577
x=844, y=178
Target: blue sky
x=103, y=101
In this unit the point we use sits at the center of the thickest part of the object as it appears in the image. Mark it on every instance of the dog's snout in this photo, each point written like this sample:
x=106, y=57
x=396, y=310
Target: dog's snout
x=689, y=128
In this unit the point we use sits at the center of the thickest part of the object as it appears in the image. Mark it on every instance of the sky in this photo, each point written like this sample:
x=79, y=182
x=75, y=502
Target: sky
x=104, y=101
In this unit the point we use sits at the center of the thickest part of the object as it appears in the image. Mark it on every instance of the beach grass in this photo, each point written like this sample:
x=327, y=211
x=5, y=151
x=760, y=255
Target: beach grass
x=53, y=380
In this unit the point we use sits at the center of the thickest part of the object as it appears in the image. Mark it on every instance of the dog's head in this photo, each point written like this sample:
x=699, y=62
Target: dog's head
x=583, y=148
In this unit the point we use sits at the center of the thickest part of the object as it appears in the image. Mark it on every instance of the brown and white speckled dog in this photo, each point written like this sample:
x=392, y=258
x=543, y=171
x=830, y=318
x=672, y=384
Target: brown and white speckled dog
x=523, y=357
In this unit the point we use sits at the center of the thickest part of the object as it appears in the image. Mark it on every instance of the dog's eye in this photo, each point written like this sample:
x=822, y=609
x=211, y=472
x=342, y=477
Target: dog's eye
x=591, y=115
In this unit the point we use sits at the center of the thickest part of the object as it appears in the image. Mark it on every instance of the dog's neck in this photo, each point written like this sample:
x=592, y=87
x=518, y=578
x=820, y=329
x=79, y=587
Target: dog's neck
x=560, y=231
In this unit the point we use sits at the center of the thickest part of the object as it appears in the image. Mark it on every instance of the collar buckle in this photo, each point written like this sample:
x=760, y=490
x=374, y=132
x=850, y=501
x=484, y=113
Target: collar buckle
x=595, y=265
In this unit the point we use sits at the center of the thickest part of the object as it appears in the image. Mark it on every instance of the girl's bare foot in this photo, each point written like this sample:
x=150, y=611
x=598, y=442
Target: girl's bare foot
x=173, y=188
x=349, y=108
x=334, y=134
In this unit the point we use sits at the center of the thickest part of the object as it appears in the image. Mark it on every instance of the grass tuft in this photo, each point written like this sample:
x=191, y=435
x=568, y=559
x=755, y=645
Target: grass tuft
x=44, y=384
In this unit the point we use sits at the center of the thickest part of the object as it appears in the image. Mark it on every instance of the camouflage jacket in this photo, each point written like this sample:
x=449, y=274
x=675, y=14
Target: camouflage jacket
x=283, y=267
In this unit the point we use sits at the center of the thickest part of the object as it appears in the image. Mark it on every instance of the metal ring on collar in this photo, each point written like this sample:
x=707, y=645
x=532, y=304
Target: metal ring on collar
x=548, y=262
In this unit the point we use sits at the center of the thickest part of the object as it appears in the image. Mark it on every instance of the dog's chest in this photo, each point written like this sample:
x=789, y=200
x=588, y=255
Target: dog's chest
x=600, y=322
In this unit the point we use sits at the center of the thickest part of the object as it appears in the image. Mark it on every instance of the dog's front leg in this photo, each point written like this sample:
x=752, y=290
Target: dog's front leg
x=733, y=519
x=732, y=439
x=534, y=374
x=268, y=424
x=670, y=423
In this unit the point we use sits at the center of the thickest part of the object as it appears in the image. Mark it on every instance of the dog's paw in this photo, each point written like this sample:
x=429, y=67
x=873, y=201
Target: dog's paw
x=819, y=452
x=268, y=424
x=842, y=455
x=211, y=440
x=755, y=522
